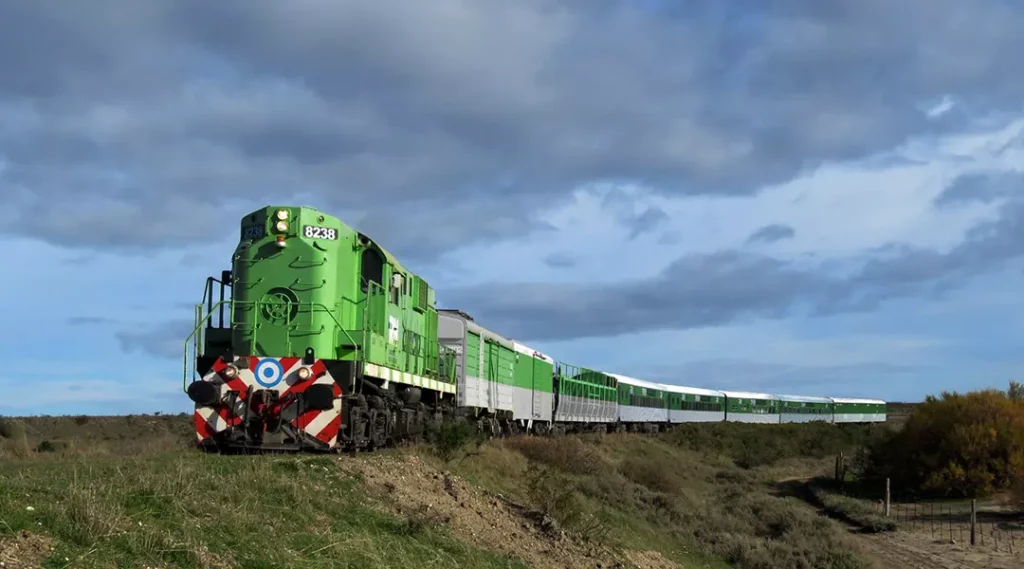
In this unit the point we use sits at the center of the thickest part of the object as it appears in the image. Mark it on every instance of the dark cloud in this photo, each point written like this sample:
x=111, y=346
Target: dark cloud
x=981, y=187
x=809, y=379
x=771, y=233
x=163, y=339
x=560, y=261
x=157, y=124
x=421, y=230
x=637, y=218
x=90, y=320
x=724, y=287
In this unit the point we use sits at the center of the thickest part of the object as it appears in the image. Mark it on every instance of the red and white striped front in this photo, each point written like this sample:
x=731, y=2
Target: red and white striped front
x=279, y=375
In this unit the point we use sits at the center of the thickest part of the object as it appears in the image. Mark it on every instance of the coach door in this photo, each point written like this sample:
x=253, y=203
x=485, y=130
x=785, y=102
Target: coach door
x=541, y=386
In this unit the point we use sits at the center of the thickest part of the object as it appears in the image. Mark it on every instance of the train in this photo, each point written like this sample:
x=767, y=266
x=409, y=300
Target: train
x=319, y=339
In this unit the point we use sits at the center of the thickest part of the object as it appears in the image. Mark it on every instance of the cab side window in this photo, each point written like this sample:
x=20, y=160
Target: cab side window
x=372, y=268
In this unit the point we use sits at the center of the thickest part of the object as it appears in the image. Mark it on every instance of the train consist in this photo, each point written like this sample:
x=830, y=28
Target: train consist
x=317, y=338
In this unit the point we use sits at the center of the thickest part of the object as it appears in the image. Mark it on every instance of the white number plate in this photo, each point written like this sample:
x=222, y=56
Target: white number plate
x=314, y=232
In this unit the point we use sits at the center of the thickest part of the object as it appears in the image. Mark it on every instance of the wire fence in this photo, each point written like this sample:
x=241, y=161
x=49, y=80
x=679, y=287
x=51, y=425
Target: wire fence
x=994, y=530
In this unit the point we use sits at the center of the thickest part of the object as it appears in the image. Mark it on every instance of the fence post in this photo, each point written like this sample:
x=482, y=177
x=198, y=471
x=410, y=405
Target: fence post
x=974, y=518
x=888, y=503
x=949, y=518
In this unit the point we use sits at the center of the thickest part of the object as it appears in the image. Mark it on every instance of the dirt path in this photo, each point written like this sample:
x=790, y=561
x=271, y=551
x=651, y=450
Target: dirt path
x=913, y=550
x=420, y=492
x=907, y=548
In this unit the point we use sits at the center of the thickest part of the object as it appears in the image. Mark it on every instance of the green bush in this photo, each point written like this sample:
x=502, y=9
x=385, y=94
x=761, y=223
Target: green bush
x=449, y=438
x=753, y=445
x=10, y=429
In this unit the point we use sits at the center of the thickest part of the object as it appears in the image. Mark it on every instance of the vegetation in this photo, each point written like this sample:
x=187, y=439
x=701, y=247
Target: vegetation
x=645, y=492
x=107, y=504
x=107, y=496
x=857, y=511
x=751, y=445
x=957, y=445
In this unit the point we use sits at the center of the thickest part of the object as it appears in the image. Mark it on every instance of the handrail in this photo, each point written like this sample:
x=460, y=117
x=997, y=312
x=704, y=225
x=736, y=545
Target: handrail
x=199, y=325
x=203, y=317
x=414, y=343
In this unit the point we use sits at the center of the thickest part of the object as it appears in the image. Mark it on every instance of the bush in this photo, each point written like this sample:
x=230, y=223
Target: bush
x=568, y=454
x=449, y=438
x=9, y=429
x=964, y=446
x=753, y=445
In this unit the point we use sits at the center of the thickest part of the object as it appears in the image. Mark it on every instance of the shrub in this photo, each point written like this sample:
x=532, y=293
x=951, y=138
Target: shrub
x=968, y=445
x=449, y=438
x=753, y=445
x=49, y=446
x=568, y=454
x=9, y=429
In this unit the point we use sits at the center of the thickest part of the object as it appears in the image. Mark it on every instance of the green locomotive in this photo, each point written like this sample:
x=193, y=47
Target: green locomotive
x=326, y=340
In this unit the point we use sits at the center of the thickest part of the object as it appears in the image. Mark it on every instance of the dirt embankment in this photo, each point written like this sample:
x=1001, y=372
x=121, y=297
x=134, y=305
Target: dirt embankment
x=24, y=551
x=423, y=494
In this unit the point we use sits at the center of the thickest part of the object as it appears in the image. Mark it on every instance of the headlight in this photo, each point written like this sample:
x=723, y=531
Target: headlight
x=229, y=371
x=305, y=373
x=282, y=226
x=282, y=214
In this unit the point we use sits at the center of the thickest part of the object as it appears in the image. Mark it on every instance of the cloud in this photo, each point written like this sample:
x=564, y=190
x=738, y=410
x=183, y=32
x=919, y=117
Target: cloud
x=90, y=320
x=147, y=126
x=711, y=289
x=163, y=339
x=744, y=374
x=771, y=233
x=984, y=187
x=559, y=261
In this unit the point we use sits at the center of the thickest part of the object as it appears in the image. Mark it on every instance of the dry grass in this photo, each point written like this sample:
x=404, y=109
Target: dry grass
x=146, y=502
x=640, y=492
x=854, y=510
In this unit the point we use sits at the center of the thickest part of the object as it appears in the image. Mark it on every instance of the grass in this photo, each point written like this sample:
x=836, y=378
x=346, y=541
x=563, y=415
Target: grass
x=699, y=509
x=854, y=510
x=130, y=492
x=172, y=508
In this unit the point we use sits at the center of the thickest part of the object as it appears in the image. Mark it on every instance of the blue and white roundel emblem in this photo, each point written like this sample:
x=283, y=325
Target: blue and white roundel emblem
x=268, y=372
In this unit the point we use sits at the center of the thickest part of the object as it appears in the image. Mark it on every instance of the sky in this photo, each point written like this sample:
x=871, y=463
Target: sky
x=791, y=197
